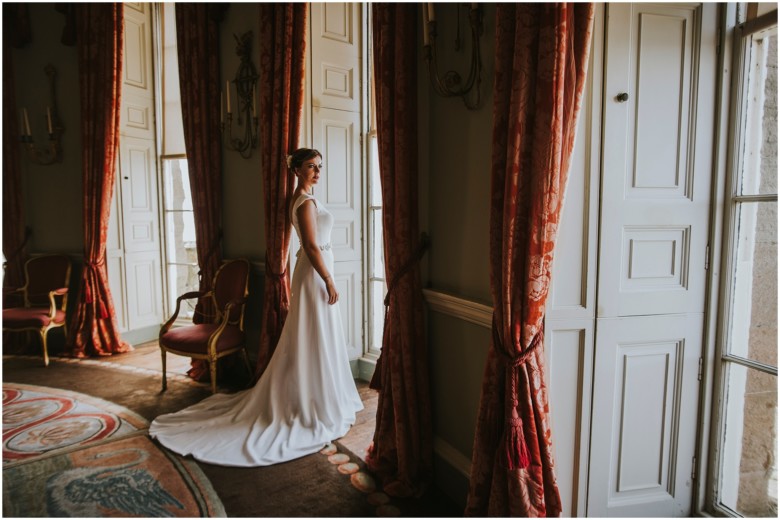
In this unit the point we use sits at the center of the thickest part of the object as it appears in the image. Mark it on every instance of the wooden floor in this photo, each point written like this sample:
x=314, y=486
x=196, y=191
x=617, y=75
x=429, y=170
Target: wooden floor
x=356, y=441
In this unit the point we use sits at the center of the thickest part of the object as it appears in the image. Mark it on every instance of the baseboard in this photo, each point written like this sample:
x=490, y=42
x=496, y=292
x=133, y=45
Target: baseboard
x=142, y=335
x=365, y=369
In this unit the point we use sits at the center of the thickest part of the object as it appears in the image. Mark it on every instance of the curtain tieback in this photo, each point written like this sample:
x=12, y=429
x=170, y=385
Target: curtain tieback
x=88, y=296
x=269, y=272
x=425, y=242
x=516, y=448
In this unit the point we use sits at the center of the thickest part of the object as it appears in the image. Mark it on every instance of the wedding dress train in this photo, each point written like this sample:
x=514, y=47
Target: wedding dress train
x=305, y=398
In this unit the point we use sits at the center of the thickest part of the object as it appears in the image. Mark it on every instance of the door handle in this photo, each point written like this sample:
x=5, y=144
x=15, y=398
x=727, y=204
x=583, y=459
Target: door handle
x=622, y=97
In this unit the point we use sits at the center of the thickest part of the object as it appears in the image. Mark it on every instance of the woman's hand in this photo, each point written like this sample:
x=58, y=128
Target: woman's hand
x=333, y=294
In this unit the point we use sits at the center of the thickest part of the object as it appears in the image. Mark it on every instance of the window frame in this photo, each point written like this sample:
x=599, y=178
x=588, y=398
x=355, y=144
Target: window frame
x=734, y=40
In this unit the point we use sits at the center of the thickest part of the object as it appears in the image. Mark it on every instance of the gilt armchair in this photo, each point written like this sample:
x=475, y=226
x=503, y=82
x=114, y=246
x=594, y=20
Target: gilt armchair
x=224, y=335
x=44, y=298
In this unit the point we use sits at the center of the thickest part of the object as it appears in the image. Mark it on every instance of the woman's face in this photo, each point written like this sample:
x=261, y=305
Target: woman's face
x=309, y=171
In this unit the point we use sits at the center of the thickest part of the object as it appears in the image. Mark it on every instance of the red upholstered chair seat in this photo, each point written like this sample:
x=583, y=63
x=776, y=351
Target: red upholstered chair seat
x=191, y=339
x=30, y=317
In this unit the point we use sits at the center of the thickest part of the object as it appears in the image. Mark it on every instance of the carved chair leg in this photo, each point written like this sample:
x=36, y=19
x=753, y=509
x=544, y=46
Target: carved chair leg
x=164, y=373
x=213, y=371
x=45, y=350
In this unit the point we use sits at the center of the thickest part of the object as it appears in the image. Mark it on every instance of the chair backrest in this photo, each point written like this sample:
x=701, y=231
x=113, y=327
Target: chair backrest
x=43, y=274
x=231, y=282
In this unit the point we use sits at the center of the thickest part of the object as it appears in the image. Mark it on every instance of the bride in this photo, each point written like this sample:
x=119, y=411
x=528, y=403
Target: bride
x=306, y=397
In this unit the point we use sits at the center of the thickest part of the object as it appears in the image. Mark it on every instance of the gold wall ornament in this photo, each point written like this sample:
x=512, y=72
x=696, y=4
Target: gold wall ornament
x=452, y=84
x=52, y=152
x=245, y=83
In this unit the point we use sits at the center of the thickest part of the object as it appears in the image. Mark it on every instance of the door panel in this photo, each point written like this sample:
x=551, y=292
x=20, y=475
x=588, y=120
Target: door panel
x=654, y=194
x=569, y=357
x=336, y=55
x=348, y=278
x=644, y=404
x=139, y=195
x=654, y=226
x=144, y=287
x=337, y=133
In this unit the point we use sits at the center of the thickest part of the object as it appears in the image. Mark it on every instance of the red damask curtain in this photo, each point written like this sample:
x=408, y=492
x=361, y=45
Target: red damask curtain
x=402, y=451
x=541, y=60
x=197, y=40
x=94, y=329
x=13, y=216
x=281, y=86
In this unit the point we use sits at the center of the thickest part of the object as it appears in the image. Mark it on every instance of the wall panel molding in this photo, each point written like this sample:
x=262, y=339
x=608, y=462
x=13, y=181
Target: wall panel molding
x=459, y=307
x=452, y=456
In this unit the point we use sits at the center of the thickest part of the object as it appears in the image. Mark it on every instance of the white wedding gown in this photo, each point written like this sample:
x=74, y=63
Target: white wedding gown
x=305, y=398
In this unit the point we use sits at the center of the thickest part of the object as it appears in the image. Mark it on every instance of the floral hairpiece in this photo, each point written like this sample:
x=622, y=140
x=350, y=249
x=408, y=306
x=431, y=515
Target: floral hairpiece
x=289, y=161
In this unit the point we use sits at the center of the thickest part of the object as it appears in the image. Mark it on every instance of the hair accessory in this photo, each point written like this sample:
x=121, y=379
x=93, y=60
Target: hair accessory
x=289, y=161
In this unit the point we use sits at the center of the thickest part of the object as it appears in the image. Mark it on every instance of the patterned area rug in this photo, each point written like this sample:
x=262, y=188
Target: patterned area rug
x=67, y=454
x=38, y=420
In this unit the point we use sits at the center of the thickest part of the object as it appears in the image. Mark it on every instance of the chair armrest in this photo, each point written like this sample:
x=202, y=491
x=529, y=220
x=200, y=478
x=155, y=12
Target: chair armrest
x=11, y=290
x=186, y=296
x=192, y=294
x=62, y=291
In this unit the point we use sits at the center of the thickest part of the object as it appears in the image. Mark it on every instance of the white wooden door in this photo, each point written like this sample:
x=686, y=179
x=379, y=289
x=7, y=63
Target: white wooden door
x=133, y=250
x=336, y=132
x=657, y=149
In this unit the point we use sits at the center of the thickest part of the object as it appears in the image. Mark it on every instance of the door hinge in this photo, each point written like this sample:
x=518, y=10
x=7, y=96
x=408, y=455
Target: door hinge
x=693, y=468
x=701, y=368
x=707, y=258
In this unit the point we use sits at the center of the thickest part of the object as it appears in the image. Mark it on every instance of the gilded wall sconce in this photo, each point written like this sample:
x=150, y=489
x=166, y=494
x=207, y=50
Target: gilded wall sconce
x=246, y=93
x=452, y=84
x=51, y=152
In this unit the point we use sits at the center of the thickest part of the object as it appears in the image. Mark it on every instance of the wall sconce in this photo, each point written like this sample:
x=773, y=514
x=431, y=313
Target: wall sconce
x=52, y=153
x=246, y=90
x=452, y=85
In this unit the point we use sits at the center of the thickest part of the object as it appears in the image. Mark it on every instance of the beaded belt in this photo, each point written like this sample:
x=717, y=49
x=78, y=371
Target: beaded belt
x=323, y=247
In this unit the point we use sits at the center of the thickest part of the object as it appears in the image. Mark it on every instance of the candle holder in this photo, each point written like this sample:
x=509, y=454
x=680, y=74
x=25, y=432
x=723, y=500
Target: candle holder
x=245, y=83
x=452, y=84
x=52, y=152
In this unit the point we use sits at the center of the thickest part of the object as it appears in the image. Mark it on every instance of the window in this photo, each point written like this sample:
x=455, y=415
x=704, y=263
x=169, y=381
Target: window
x=180, y=253
x=377, y=286
x=747, y=417
x=376, y=255
x=181, y=258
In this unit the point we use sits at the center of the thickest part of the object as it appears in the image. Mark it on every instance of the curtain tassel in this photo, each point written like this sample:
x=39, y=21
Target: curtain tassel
x=517, y=455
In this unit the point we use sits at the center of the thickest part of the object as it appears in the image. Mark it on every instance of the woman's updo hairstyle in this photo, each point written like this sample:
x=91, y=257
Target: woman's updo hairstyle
x=295, y=160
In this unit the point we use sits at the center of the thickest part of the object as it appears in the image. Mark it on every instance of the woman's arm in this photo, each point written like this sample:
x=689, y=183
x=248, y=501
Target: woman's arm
x=307, y=218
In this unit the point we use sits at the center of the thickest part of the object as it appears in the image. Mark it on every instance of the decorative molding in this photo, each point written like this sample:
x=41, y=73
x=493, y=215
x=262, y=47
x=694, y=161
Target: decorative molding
x=461, y=308
x=452, y=456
